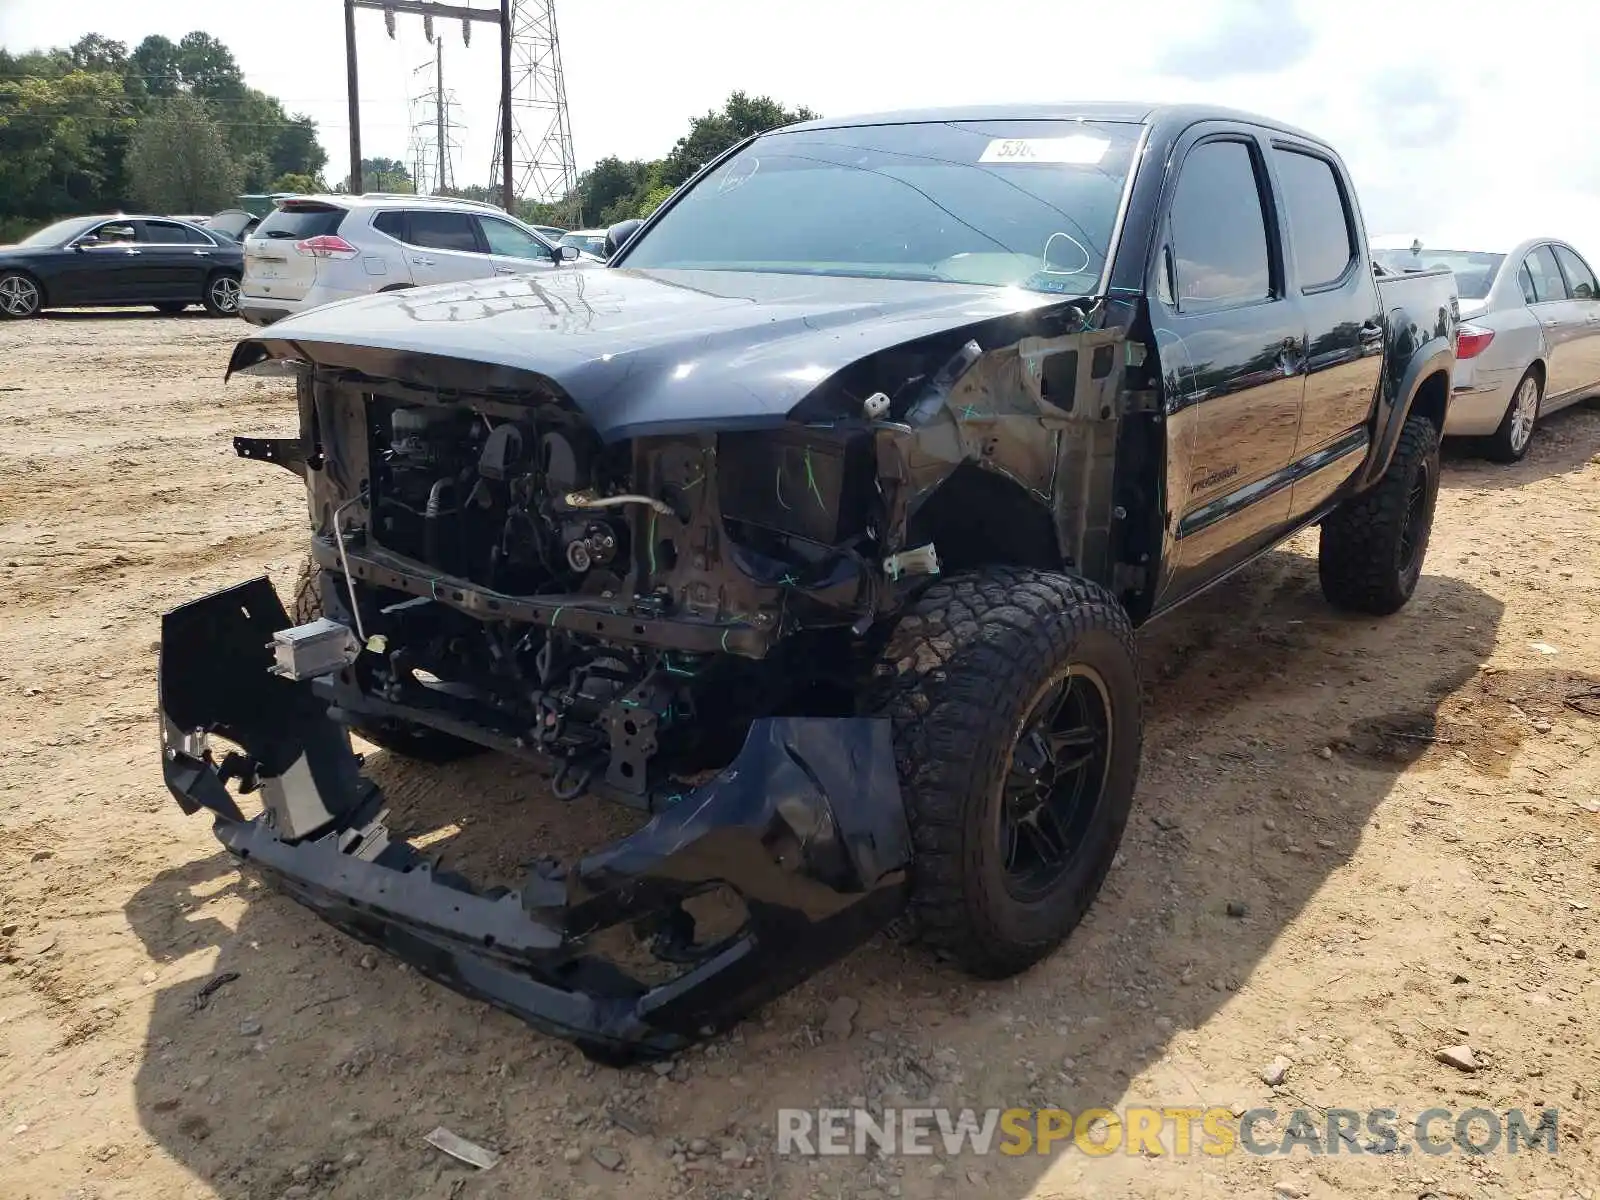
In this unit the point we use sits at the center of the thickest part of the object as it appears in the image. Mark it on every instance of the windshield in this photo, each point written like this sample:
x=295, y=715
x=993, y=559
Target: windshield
x=1474, y=269
x=1028, y=204
x=60, y=232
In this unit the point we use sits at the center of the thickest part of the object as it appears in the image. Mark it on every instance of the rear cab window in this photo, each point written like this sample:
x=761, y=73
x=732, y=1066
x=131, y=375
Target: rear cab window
x=300, y=222
x=1320, y=232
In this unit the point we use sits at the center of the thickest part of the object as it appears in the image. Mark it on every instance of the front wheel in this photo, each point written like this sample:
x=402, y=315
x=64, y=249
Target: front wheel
x=221, y=296
x=20, y=296
x=1015, y=700
x=1510, y=442
x=1372, y=547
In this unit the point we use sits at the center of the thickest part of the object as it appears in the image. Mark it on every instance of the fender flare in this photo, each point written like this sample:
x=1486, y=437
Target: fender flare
x=1436, y=356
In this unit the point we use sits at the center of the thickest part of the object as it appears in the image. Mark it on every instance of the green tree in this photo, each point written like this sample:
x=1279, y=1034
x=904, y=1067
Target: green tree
x=208, y=69
x=92, y=52
x=179, y=161
x=57, y=137
x=154, y=62
x=386, y=175
x=708, y=136
x=291, y=182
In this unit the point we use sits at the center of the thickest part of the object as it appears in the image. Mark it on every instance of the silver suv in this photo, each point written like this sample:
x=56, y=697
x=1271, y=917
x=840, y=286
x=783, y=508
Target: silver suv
x=315, y=249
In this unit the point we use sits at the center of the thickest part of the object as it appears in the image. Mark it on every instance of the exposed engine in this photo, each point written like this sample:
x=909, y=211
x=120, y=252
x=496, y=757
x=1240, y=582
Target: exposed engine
x=500, y=502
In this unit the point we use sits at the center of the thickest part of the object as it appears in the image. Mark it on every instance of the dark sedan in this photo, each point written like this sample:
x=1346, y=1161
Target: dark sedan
x=120, y=261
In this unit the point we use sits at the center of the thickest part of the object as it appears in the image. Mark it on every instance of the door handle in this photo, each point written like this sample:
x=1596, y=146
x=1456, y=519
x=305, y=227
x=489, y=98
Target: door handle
x=133, y=251
x=513, y=271
x=202, y=254
x=423, y=262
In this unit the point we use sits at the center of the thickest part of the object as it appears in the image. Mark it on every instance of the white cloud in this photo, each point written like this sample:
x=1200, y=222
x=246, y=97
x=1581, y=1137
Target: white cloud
x=1462, y=123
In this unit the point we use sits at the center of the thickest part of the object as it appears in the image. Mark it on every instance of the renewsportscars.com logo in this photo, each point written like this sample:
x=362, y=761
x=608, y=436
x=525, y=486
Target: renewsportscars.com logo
x=1173, y=1129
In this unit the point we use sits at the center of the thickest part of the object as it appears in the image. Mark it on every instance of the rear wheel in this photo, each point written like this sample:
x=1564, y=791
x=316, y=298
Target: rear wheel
x=20, y=296
x=1372, y=548
x=1015, y=700
x=1510, y=442
x=221, y=296
x=398, y=737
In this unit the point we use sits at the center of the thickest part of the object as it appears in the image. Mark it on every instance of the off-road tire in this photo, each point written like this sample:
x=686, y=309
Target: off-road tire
x=1501, y=445
x=1363, y=561
x=397, y=737
x=963, y=669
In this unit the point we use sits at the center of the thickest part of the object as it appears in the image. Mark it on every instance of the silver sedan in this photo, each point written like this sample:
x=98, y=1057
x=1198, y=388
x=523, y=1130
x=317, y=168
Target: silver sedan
x=1530, y=335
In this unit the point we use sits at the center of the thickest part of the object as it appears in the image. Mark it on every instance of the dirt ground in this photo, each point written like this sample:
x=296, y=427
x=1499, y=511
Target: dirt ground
x=1404, y=812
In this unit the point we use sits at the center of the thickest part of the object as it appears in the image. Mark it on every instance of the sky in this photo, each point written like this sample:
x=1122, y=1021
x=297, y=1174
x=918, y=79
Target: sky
x=1472, y=123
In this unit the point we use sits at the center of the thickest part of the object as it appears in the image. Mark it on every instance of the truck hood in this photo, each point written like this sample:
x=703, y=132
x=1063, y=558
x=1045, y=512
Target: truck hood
x=638, y=352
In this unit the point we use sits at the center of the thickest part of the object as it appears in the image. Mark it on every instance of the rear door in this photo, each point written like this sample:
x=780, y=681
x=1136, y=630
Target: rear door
x=273, y=268
x=1343, y=315
x=1583, y=346
x=445, y=247
x=174, y=261
x=1232, y=347
x=512, y=249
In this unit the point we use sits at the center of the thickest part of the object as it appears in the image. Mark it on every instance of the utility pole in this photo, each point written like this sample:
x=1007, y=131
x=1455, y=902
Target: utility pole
x=353, y=92
x=507, y=198
x=438, y=110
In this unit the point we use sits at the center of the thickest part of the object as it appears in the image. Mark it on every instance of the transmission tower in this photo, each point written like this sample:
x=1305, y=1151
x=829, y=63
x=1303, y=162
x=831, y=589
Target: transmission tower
x=434, y=144
x=542, y=162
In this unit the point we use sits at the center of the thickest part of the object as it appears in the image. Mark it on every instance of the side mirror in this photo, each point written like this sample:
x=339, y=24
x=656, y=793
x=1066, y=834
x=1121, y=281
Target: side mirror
x=567, y=253
x=85, y=242
x=617, y=236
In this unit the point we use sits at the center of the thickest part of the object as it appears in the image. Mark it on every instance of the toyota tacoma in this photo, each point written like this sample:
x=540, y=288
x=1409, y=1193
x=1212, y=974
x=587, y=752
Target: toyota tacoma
x=815, y=528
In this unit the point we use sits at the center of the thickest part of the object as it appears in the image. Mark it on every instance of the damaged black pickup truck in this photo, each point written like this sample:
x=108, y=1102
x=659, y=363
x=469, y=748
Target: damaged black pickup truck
x=815, y=528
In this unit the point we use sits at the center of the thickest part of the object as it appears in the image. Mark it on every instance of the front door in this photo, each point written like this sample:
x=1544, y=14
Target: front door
x=1232, y=349
x=1582, y=369
x=101, y=272
x=513, y=250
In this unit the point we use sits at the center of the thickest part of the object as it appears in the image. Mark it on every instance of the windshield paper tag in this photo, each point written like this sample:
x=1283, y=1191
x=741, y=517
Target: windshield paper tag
x=1077, y=150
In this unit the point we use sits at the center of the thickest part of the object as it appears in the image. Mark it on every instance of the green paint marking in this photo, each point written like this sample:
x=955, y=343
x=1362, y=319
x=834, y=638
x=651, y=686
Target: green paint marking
x=653, y=516
x=672, y=670
x=968, y=412
x=778, y=476
x=725, y=633
x=811, y=479
x=557, y=617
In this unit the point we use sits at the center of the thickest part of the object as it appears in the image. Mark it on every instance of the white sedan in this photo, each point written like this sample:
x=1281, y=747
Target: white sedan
x=1529, y=342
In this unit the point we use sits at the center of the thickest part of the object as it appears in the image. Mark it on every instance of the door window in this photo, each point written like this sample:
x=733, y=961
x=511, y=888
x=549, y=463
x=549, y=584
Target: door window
x=505, y=238
x=1319, y=222
x=443, y=230
x=1547, y=281
x=1580, y=280
x=392, y=223
x=116, y=233
x=1525, y=280
x=168, y=233
x=1219, y=230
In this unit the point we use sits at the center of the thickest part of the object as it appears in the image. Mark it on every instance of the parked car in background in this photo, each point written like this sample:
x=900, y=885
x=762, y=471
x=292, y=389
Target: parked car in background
x=312, y=250
x=552, y=232
x=234, y=223
x=590, y=241
x=1530, y=338
x=120, y=261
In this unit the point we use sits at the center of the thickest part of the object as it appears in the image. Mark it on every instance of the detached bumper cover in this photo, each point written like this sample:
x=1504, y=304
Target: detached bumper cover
x=805, y=826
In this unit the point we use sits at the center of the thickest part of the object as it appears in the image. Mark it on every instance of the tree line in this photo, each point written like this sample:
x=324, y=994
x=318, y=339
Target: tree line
x=172, y=127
